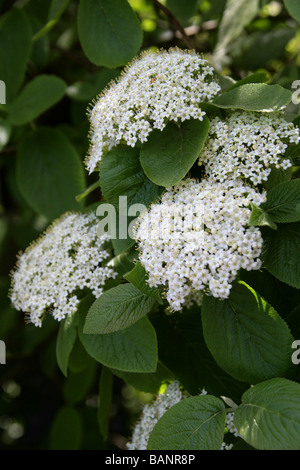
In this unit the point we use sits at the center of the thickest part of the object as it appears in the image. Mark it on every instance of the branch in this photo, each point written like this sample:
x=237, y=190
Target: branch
x=175, y=21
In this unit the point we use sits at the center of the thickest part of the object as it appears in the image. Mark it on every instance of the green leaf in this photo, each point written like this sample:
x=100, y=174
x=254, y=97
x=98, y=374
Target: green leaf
x=64, y=343
x=255, y=97
x=66, y=431
x=283, y=202
x=79, y=358
x=49, y=172
x=130, y=350
x=109, y=31
x=183, y=351
x=105, y=397
x=38, y=95
x=77, y=385
x=168, y=155
x=269, y=415
x=246, y=336
x=117, y=309
x=281, y=253
x=121, y=177
x=293, y=8
x=259, y=217
x=258, y=77
x=137, y=277
x=121, y=174
x=15, y=47
x=235, y=17
x=195, y=423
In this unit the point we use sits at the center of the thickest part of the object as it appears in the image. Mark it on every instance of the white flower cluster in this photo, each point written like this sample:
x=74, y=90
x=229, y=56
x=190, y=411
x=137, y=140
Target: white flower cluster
x=153, y=412
x=247, y=145
x=197, y=238
x=230, y=424
x=155, y=88
x=67, y=258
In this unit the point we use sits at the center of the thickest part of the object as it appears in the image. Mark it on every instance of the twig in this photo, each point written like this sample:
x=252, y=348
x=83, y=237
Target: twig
x=175, y=21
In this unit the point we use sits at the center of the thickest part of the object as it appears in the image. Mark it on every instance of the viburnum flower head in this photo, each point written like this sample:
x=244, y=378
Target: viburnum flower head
x=66, y=259
x=247, y=145
x=155, y=88
x=197, y=239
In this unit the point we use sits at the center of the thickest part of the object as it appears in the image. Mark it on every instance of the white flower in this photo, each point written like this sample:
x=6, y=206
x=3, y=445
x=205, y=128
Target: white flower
x=247, y=145
x=155, y=88
x=197, y=238
x=153, y=412
x=67, y=258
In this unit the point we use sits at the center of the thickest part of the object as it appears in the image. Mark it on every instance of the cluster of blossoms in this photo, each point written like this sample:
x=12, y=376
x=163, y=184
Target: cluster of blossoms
x=247, y=145
x=67, y=258
x=153, y=412
x=197, y=238
x=155, y=88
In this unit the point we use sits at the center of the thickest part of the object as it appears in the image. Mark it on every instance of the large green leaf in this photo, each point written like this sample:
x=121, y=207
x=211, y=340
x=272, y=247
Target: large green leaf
x=281, y=255
x=117, y=309
x=121, y=174
x=49, y=172
x=36, y=97
x=66, y=430
x=255, y=97
x=246, y=336
x=168, y=155
x=293, y=8
x=15, y=47
x=65, y=341
x=130, y=350
x=235, y=17
x=283, y=202
x=183, y=351
x=78, y=385
x=269, y=415
x=109, y=31
x=195, y=423
x=258, y=77
x=125, y=186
